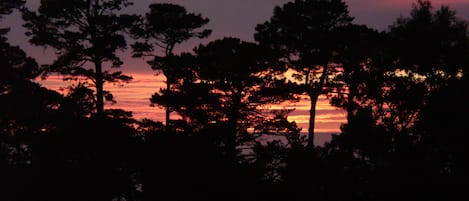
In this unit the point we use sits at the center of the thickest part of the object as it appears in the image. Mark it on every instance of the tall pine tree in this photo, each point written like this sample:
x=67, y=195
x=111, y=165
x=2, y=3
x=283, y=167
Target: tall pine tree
x=82, y=32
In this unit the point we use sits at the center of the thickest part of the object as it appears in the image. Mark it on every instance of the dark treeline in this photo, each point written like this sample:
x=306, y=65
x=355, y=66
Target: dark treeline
x=404, y=90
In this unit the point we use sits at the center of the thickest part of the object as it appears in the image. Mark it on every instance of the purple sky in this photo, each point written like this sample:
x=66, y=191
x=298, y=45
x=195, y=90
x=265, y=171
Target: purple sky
x=238, y=18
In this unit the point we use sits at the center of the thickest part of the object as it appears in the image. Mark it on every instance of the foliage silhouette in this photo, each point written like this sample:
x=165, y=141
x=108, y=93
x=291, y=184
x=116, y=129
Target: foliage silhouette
x=431, y=41
x=7, y=6
x=389, y=131
x=361, y=56
x=229, y=79
x=404, y=91
x=26, y=110
x=442, y=138
x=82, y=32
x=165, y=26
x=304, y=31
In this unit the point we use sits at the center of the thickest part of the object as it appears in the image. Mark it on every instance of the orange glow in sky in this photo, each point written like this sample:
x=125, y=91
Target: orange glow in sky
x=135, y=96
x=225, y=20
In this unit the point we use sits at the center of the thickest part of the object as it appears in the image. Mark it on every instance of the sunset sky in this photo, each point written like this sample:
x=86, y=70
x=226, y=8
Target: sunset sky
x=234, y=18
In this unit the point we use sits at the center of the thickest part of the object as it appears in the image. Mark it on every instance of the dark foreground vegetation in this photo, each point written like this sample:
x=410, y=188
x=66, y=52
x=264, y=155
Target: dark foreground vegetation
x=404, y=90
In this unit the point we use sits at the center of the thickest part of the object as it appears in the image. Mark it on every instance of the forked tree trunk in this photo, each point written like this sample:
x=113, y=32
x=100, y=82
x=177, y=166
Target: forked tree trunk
x=314, y=96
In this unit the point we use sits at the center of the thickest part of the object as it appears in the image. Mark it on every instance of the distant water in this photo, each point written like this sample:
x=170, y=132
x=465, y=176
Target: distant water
x=320, y=138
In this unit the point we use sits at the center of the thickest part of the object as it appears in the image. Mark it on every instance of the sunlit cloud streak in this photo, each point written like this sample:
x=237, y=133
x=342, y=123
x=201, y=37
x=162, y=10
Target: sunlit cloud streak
x=135, y=96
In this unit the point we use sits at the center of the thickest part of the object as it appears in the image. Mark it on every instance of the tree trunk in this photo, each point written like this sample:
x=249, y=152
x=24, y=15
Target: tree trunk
x=234, y=116
x=352, y=92
x=167, y=109
x=312, y=116
x=99, y=89
x=314, y=96
x=167, y=74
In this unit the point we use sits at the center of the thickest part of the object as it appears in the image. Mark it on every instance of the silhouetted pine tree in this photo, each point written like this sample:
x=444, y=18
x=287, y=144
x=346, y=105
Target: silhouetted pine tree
x=164, y=27
x=304, y=33
x=82, y=32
